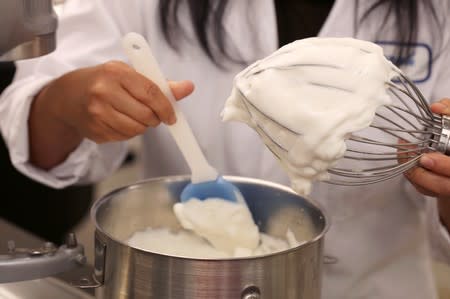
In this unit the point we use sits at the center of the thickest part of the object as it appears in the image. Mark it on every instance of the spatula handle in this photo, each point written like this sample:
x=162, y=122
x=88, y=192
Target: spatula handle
x=143, y=61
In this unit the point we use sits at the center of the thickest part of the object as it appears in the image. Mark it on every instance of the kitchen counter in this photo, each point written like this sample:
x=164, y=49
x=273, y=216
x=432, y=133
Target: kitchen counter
x=53, y=287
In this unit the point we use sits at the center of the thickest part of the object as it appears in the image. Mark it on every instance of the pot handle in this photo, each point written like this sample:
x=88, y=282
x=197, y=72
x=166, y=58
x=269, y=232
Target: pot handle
x=33, y=263
x=97, y=278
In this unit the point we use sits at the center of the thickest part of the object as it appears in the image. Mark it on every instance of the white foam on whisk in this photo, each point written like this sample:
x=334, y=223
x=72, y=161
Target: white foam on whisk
x=324, y=89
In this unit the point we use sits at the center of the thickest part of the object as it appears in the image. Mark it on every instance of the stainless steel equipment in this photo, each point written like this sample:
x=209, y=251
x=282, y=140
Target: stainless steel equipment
x=121, y=271
x=40, y=288
x=33, y=263
x=375, y=154
x=126, y=272
x=27, y=29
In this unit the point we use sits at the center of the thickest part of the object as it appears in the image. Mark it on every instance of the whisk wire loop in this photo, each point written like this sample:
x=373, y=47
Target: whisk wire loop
x=393, y=144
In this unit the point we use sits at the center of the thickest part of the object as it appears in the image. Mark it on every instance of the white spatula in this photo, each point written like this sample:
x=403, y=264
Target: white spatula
x=205, y=180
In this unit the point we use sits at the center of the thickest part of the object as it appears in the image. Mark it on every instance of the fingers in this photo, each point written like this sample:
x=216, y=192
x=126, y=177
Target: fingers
x=145, y=91
x=430, y=181
x=437, y=163
x=425, y=192
x=433, y=177
x=150, y=95
x=118, y=103
x=106, y=133
x=124, y=103
x=415, y=176
x=112, y=125
x=124, y=125
x=441, y=107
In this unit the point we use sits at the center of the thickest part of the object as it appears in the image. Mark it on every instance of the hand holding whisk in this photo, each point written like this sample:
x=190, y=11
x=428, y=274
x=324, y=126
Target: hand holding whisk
x=415, y=128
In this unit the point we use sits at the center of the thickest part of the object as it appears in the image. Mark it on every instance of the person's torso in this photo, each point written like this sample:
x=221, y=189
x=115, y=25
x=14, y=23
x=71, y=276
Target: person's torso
x=378, y=233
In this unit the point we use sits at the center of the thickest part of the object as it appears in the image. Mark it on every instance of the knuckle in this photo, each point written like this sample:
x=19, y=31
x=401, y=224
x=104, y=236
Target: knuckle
x=94, y=109
x=414, y=174
x=155, y=122
x=137, y=129
x=99, y=133
x=166, y=108
x=151, y=90
x=149, y=117
x=140, y=129
x=99, y=88
x=165, y=111
x=114, y=68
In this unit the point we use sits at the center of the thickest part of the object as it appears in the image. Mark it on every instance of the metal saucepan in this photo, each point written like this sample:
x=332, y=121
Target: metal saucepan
x=123, y=272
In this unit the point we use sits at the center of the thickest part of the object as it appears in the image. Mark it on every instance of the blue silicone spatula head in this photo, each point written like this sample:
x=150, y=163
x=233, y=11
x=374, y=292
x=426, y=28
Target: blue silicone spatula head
x=205, y=181
x=219, y=188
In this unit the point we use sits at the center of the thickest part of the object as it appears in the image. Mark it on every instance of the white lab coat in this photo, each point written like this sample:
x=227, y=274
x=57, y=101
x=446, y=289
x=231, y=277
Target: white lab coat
x=379, y=233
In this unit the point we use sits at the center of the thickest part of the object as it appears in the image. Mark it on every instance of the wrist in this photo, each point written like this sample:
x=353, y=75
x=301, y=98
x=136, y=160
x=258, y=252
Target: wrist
x=51, y=139
x=49, y=107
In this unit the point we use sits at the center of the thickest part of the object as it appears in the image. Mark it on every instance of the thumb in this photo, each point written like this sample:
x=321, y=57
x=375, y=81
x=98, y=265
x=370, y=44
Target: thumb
x=437, y=163
x=181, y=89
x=441, y=107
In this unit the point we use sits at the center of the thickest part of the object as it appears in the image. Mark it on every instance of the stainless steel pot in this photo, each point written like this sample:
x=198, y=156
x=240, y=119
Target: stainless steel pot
x=126, y=272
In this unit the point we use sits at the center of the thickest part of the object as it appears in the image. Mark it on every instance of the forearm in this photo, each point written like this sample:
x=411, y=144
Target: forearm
x=50, y=139
x=444, y=212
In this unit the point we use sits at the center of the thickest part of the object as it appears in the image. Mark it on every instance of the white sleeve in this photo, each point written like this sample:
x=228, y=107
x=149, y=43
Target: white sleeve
x=89, y=33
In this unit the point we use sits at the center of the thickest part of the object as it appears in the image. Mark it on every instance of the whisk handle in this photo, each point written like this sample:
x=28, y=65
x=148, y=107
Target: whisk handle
x=443, y=145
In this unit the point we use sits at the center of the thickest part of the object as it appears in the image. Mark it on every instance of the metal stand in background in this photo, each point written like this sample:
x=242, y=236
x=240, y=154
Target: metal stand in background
x=44, y=261
x=53, y=287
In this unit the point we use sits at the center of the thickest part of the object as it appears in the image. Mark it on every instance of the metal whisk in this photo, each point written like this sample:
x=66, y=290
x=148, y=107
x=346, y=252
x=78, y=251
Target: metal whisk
x=394, y=142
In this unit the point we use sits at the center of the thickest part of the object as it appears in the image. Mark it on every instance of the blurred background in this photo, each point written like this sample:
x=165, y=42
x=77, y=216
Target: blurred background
x=50, y=213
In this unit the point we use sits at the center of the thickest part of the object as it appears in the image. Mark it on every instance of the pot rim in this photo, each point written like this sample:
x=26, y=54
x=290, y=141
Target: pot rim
x=98, y=203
